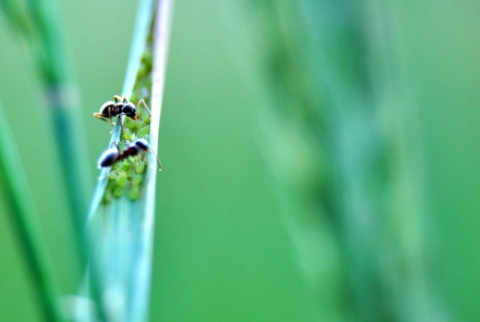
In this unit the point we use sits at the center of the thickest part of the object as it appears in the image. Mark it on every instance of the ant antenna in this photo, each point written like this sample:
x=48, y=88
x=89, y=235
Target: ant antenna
x=158, y=160
x=145, y=105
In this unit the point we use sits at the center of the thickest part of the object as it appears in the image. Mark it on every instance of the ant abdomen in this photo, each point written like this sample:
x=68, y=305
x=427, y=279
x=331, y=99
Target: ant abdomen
x=108, y=158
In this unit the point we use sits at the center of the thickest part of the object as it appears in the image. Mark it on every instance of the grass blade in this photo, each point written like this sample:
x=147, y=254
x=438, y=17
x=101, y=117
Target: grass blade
x=141, y=289
x=297, y=149
x=44, y=38
x=16, y=16
x=122, y=211
x=378, y=192
x=351, y=163
x=142, y=28
x=52, y=65
x=23, y=217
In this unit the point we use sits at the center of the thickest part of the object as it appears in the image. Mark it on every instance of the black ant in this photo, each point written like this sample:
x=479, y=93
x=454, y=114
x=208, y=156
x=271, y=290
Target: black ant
x=117, y=108
x=114, y=155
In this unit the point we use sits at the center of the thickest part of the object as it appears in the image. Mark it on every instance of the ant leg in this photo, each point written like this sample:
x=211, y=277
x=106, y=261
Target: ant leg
x=110, y=118
x=103, y=118
x=145, y=105
x=119, y=119
x=117, y=98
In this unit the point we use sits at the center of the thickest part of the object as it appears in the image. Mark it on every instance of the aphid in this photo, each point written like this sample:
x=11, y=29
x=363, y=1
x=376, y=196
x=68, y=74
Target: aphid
x=117, y=108
x=114, y=155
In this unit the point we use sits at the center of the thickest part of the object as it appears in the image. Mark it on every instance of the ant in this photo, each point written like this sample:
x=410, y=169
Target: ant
x=114, y=155
x=119, y=107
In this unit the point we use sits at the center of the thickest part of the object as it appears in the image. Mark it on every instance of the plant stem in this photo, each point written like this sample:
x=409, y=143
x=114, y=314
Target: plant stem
x=23, y=217
x=53, y=68
x=123, y=226
x=141, y=289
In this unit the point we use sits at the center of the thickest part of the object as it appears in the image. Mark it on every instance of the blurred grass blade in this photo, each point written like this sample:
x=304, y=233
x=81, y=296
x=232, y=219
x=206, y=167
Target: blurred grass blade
x=52, y=65
x=14, y=12
x=47, y=49
x=122, y=211
x=24, y=219
x=45, y=42
x=379, y=204
x=297, y=148
x=48, y=52
x=351, y=168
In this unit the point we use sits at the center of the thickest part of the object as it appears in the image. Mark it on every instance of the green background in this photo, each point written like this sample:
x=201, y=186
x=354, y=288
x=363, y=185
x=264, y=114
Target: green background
x=222, y=247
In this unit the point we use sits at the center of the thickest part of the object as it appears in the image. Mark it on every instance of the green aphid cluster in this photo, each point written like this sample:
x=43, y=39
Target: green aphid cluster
x=127, y=177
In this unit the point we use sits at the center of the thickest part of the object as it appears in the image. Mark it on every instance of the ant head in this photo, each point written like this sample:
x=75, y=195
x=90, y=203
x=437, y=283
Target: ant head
x=141, y=144
x=129, y=110
x=108, y=158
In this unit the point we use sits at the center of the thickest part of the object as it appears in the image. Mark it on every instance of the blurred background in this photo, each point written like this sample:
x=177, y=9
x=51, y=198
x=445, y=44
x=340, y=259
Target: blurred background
x=321, y=159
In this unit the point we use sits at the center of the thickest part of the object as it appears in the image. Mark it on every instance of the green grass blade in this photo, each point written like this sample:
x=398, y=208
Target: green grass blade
x=14, y=12
x=143, y=22
x=24, y=220
x=296, y=147
x=141, y=288
x=50, y=57
x=378, y=189
x=350, y=170
x=122, y=211
x=142, y=28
